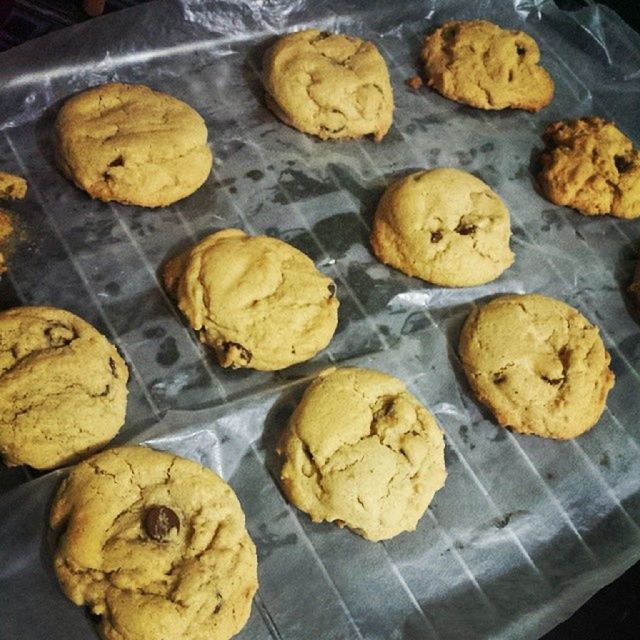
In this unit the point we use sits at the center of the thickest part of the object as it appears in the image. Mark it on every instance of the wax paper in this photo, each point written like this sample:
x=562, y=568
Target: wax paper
x=525, y=529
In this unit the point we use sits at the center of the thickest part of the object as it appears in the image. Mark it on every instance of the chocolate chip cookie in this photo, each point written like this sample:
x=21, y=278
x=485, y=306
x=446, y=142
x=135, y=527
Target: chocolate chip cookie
x=155, y=545
x=63, y=387
x=131, y=144
x=329, y=85
x=361, y=451
x=257, y=301
x=538, y=364
x=590, y=165
x=480, y=64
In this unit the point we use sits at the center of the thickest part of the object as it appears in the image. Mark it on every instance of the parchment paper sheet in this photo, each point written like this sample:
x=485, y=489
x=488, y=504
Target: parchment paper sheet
x=525, y=530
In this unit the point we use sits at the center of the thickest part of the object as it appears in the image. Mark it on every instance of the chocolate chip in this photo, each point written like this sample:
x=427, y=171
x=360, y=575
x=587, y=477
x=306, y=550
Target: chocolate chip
x=499, y=378
x=60, y=335
x=465, y=229
x=118, y=162
x=245, y=354
x=159, y=521
x=520, y=50
x=332, y=290
x=622, y=164
x=436, y=236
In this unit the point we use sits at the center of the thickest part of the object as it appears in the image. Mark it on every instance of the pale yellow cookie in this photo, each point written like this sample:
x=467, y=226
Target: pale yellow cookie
x=480, y=64
x=155, y=545
x=590, y=165
x=444, y=226
x=258, y=301
x=133, y=145
x=63, y=387
x=361, y=451
x=538, y=364
x=329, y=85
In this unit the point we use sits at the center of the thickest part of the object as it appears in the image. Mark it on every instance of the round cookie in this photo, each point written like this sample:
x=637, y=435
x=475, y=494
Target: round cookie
x=155, y=545
x=329, y=85
x=63, y=387
x=133, y=145
x=258, y=301
x=361, y=451
x=538, y=364
x=444, y=226
x=590, y=165
x=480, y=64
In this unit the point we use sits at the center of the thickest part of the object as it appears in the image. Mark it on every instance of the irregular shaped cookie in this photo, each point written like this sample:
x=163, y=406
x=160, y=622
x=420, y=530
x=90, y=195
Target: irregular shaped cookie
x=329, y=85
x=259, y=302
x=478, y=63
x=444, y=226
x=128, y=143
x=63, y=387
x=538, y=364
x=361, y=451
x=155, y=545
x=590, y=165
x=12, y=187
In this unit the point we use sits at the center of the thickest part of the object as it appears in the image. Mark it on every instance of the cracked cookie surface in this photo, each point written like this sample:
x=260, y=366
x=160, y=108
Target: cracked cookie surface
x=590, y=165
x=258, y=301
x=329, y=85
x=133, y=145
x=444, y=226
x=538, y=364
x=154, y=544
x=480, y=64
x=63, y=387
x=361, y=451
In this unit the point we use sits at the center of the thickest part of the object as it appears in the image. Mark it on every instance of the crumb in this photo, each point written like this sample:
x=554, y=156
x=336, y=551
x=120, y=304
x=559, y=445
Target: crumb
x=415, y=82
x=93, y=8
x=6, y=229
x=12, y=186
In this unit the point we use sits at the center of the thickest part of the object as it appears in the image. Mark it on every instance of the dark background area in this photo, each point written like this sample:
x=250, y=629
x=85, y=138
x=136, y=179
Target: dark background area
x=614, y=612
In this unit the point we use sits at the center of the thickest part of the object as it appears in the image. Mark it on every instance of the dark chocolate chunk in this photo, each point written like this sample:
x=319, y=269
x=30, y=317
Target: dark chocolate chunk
x=159, y=521
x=332, y=290
x=436, y=236
x=622, y=163
x=465, y=229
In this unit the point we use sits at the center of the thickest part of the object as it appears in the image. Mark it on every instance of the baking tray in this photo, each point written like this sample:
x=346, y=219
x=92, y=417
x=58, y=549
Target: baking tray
x=525, y=529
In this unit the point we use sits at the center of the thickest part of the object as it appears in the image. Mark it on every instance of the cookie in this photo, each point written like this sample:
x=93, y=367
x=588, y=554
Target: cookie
x=155, y=545
x=361, y=451
x=478, y=63
x=259, y=302
x=444, y=226
x=590, y=165
x=63, y=387
x=12, y=187
x=538, y=364
x=6, y=231
x=130, y=144
x=329, y=85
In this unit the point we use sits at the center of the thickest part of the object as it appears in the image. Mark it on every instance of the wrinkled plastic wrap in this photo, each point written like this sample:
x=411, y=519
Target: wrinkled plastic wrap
x=525, y=529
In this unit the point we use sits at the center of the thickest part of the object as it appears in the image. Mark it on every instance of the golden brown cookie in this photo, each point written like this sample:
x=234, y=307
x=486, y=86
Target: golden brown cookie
x=538, y=364
x=361, y=451
x=478, y=63
x=12, y=187
x=590, y=165
x=444, y=226
x=63, y=387
x=258, y=301
x=155, y=545
x=329, y=85
x=130, y=144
